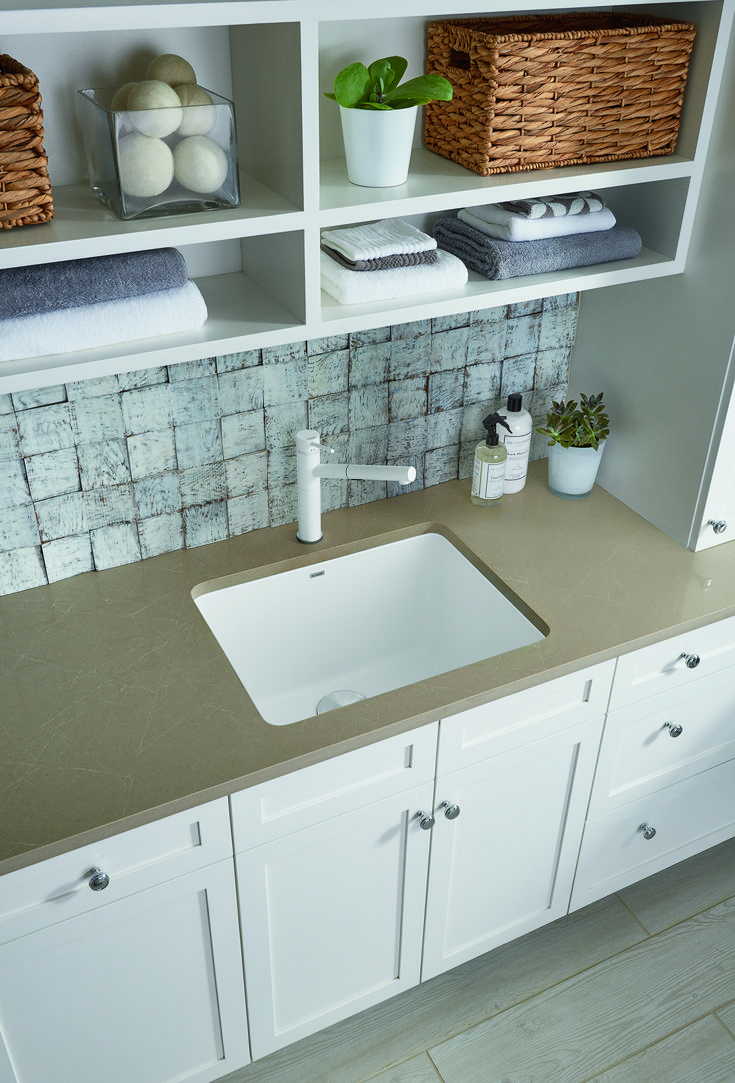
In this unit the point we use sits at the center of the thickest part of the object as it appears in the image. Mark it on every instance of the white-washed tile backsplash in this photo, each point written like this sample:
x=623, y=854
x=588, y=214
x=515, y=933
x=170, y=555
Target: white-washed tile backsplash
x=103, y=472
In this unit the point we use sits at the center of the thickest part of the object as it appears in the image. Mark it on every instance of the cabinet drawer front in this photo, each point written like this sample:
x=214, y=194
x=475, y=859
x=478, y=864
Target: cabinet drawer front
x=534, y=713
x=58, y=888
x=664, y=740
x=306, y=797
x=663, y=667
x=687, y=818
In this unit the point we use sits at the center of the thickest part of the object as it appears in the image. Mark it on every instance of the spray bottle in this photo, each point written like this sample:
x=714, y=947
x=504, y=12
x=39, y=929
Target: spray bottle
x=488, y=474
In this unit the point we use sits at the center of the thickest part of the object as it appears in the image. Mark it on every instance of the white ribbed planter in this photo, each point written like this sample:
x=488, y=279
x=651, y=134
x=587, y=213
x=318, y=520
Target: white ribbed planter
x=573, y=470
x=378, y=145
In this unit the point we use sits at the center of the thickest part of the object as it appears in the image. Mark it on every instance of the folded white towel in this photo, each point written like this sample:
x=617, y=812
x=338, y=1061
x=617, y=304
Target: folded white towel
x=390, y=237
x=497, y=222
x=162, y=312
x=354, y=287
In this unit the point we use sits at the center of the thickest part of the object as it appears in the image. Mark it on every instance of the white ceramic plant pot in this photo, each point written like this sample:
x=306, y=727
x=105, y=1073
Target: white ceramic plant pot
x=572, y=470
x=378, y=145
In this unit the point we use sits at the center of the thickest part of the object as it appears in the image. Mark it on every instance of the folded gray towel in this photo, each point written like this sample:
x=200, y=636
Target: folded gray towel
x=383, y=263
x=47, y=287
x=511, y=259
x=556, y=206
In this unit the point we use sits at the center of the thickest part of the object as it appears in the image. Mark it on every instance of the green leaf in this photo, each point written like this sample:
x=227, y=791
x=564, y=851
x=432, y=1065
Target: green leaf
x=429, y=87
x=390, y=68
x=352, y=85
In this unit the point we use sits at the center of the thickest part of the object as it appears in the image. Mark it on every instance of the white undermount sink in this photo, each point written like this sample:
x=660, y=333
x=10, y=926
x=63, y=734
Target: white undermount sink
x=348, y=627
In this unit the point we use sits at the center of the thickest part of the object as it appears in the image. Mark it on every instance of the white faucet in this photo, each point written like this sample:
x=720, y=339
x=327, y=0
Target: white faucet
x=309, y=471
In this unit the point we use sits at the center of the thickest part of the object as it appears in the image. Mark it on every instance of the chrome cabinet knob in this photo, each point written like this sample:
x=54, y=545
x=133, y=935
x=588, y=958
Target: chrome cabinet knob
x=691, y=661
x=648, y=832
x=674, y=728
x=426, y=820
x=718, y=525
x=98, y=880
x=450, y=811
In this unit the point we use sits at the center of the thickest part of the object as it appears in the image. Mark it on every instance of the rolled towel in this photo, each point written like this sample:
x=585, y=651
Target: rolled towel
x=383, y=263
x=107, y=323
x=556, y=206
x=352, y=287
x=511, y=259
x=514, y=227
x=390, y=237
x=25, y=291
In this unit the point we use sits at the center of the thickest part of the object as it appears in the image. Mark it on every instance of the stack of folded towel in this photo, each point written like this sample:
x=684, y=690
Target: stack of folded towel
x=383, y=260
x=533, y=236
x=95, y=302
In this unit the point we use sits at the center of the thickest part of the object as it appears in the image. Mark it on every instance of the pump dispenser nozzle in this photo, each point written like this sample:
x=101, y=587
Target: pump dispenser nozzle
x=490, y=423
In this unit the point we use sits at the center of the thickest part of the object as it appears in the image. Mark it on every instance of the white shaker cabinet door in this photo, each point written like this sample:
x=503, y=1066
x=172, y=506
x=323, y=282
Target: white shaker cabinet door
x=332, y=917
x=505, y=845
x=147, y=989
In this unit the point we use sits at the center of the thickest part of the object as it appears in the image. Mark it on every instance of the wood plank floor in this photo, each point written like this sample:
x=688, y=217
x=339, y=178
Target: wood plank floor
x=637, y=988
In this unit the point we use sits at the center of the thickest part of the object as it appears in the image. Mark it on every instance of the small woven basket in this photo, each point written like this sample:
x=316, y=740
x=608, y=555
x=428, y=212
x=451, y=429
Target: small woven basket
x=25, y=188
x=533, y=92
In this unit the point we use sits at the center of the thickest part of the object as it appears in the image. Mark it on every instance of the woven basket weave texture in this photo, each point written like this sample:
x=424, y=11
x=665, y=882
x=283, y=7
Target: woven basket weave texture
x=532, y=92
x=25, y=188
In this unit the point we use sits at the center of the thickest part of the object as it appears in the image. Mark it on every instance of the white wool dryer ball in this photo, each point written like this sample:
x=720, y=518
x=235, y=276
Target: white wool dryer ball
x=146, y=165
x=171, y=69
x=199, y=164
x=155, y=108
x=120, y=97
x=199, y=111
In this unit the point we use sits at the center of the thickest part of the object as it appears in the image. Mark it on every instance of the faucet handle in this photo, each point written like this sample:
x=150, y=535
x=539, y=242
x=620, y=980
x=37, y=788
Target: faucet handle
x=308, y=440
x=322, y=447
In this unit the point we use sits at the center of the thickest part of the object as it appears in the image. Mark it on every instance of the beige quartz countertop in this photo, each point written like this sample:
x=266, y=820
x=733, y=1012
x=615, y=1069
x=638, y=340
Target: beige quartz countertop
x=118, y=706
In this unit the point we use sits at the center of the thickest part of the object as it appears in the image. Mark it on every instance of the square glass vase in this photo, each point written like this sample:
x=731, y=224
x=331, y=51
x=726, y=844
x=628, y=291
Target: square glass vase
x=148, y=163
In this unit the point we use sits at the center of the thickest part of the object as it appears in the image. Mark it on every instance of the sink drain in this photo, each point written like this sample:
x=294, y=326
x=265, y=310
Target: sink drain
x=341, y=698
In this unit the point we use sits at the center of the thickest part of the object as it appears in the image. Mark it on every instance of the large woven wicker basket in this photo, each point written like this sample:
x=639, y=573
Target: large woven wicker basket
x=532, y=92
x=25, y=188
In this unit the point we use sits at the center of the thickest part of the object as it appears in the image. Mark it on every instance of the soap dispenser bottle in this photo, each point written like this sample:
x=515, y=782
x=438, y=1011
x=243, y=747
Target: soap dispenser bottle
x=488, y=473
x=517, y=444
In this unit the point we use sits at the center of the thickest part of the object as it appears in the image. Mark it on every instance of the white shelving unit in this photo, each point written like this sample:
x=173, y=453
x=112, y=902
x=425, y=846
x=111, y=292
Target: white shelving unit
x=258, y=265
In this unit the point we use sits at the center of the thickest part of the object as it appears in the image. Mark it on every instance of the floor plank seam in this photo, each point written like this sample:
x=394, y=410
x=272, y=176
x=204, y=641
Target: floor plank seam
x=716, y=1014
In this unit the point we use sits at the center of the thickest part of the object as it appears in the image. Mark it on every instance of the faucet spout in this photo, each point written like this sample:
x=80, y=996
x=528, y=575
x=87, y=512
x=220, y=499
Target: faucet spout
x=310, y=471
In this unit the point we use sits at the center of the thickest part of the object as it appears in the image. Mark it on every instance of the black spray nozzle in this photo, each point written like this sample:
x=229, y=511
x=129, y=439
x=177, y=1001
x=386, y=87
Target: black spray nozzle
x=491, y=422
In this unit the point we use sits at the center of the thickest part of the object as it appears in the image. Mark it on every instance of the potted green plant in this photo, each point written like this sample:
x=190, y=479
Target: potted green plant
x=577, y=434
x=378, y=116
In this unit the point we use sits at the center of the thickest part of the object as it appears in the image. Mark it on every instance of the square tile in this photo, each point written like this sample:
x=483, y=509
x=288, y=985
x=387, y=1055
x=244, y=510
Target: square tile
x=369, y=364
x=205, y=524
x=518, y=375
x=446, y=390
x=285, y=382
x=246, y=474
x=246, y=513
x=66, y=557
x=444, y=429
x=483, y=382
x=129, y=381
x=161, y=534
x=281, y=467
x=282, y=355
x=195, y=400
x=203, y=485
x=523, y=335
x=329, y=415
x=13, y=483
x=45, y=428
x=95, y=419
x=198, y=443
x=113, y=504
x=283, y=422
x=328, y=344
x=53, y=474
x=441, y=464
x=486, y=340
x=407, y=398
x=21, y=569
x=413, y=330
x=282, y=505
x=369, y=445
x=192, y=370
x=369, y=337
x=449, y=349
x=409, y=357
x=18, y=528
x=368, y=407
x=38, y=396
x=151, y=453
x=552, y=367
x=243, y=433
x=61, y=516
x=104, y=464
x=93, y=388
x=113, y=546
x=406, y=441
x=147, y=409
x=450, y=322
x=157, y=496
x=328, y=373
x=241, y=391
